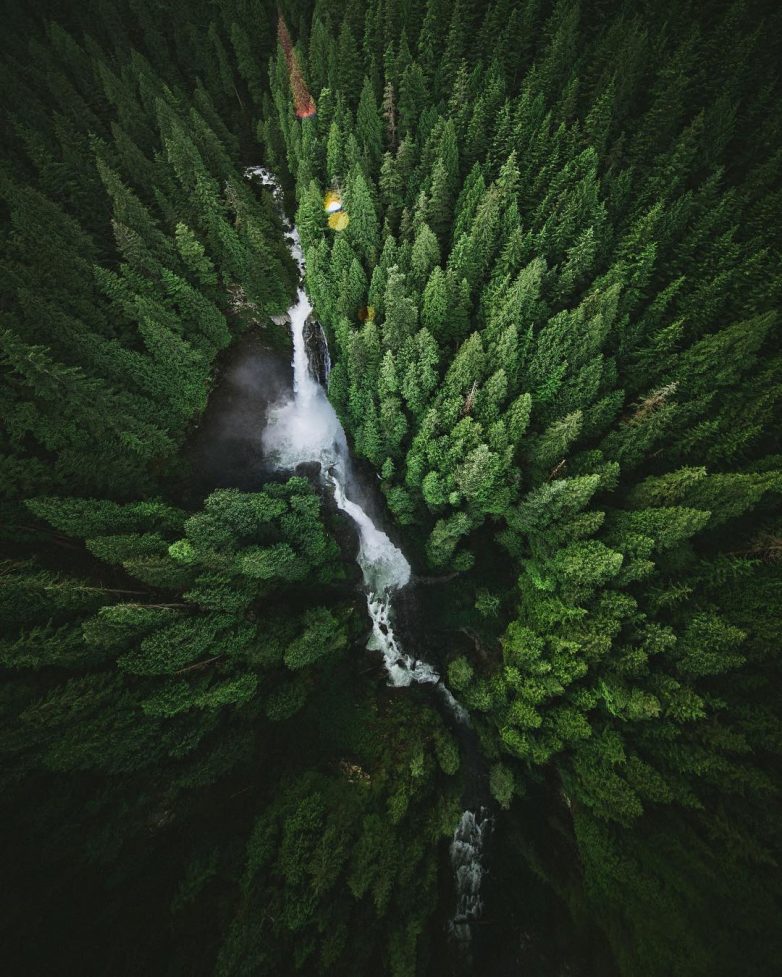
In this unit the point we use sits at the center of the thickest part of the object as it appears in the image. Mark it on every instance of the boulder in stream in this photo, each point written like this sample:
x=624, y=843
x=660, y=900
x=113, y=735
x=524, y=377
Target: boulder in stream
x=317, y=350
x=309, y=470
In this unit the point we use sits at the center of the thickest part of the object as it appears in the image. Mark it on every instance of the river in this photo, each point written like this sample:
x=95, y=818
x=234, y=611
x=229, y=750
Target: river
x=304, y=428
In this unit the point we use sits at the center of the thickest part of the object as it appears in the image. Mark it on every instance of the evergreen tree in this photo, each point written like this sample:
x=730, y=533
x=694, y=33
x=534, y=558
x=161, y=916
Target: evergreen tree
x=550, y=295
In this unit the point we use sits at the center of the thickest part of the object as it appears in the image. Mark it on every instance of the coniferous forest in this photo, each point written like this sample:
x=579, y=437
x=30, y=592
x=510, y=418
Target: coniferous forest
x=541, y=244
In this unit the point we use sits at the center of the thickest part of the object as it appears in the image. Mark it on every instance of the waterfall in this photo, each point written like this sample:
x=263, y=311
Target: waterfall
x=306, y=429
x=467, y=863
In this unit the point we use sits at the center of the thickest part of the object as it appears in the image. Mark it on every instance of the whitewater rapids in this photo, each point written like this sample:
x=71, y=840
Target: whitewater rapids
x=306, y=429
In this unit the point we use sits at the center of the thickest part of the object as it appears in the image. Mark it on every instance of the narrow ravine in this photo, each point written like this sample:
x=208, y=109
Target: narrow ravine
x=305, y=428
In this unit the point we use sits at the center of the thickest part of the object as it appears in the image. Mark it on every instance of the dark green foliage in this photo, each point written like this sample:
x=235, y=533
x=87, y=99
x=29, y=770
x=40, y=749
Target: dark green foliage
x=122, y=260
x=574, y=373
x=555, y=333
x=177, y=679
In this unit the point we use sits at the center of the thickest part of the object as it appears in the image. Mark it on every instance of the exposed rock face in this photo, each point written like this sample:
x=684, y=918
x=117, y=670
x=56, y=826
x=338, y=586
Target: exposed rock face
x=281, y=320
x=309, y=470
x=317, y=350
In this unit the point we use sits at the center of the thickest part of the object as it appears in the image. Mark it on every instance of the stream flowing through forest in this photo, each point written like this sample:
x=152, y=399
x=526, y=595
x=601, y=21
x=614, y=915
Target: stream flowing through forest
x=305, y=428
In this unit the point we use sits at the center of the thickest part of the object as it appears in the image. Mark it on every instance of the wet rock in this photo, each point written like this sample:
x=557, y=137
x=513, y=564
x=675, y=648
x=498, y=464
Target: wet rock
x=317, y=350
x=353, y=771
x=309, y=470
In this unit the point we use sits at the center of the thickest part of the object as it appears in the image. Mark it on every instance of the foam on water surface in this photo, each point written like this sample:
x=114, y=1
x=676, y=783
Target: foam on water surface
x=305, y=428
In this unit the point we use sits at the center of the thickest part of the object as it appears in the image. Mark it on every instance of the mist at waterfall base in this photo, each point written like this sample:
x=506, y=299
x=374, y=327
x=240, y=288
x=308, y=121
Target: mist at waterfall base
x=304, y=428
x=224, y=450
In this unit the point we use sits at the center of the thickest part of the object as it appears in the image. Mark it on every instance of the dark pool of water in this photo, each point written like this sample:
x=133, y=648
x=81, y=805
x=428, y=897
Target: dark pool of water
x=225, y=450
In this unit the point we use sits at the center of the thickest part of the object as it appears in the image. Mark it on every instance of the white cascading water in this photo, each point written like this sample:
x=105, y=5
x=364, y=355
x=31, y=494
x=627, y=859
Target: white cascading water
x=307, y=429
x=467, y=847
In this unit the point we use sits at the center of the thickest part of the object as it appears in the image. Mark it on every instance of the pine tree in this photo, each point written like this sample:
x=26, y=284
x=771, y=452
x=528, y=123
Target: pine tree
x=369, y=125
x=425, y=255
x=363, y=230
x=550, y=307
x=401, y=313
